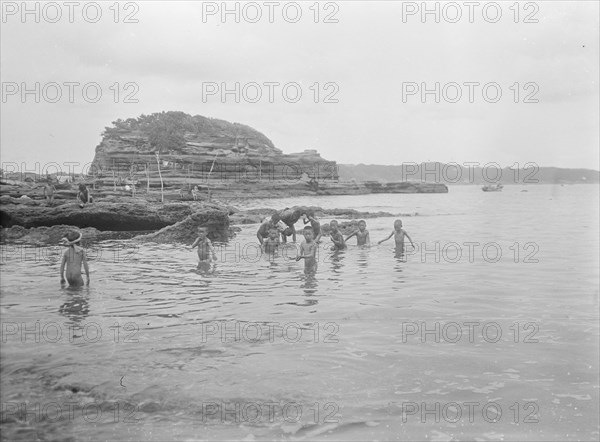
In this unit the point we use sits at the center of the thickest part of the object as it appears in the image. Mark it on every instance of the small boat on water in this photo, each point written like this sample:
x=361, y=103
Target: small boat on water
x=492, y=188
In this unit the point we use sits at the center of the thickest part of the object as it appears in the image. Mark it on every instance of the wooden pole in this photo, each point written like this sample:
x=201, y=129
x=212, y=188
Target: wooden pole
x=147, y=178
x=209, y=172
x=162, y=195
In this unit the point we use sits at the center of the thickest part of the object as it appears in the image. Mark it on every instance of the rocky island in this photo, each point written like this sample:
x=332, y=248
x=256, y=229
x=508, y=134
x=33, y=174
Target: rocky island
x=185, y=151
x=169, y=171
x=222, y=158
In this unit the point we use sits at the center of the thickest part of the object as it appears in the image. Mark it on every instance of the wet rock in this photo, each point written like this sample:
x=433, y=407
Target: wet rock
x=258, y=215
x=116, y=214
x=185, y=231
x=405, y=187
x=43, y=235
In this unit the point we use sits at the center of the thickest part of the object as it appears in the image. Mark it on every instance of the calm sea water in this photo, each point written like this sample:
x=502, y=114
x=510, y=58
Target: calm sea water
x=452, y=342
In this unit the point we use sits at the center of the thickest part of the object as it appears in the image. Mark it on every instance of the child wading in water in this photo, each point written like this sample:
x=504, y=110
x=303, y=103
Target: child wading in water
x=336, y=236
x=362, y=234
x=73, y=257
x=399, y=233
x=271, y=243
x=206, y=251
x=308, y=251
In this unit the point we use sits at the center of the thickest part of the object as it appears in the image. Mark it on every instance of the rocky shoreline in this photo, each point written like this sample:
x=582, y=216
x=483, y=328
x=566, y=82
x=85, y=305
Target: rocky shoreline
x=32, y=220
x=180, y=190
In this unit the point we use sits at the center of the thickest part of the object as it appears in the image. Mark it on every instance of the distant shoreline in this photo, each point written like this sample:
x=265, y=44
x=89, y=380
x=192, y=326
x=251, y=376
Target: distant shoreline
x=456, y=174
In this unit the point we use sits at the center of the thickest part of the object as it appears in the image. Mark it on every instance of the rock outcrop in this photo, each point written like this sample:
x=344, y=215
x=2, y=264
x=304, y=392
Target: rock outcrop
x=115, y=214
x=405, y=187
x=185, y=231
x=44, y=235
x=193, y=148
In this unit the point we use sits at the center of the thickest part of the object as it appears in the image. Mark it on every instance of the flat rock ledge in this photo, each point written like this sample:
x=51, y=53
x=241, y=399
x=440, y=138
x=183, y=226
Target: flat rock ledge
x=116, y=214
x=27, y=221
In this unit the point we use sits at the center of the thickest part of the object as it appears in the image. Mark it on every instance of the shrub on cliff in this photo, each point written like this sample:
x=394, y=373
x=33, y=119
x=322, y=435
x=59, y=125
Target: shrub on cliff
x=168, y=130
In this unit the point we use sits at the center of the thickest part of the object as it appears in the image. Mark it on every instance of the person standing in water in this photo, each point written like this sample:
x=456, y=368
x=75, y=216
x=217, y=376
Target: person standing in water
x=399, y=234
x=336, y=237
x=206, y=251
x=362, y=234
x=72, y=259
x=308, y=251
x=271, y=243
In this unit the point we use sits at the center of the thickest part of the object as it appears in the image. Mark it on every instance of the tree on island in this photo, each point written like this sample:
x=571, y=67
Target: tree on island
x=165, y=131
x=162, y=133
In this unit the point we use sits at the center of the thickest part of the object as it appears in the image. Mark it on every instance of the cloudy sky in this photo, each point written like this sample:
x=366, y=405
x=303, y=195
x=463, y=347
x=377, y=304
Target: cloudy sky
x=364, y=63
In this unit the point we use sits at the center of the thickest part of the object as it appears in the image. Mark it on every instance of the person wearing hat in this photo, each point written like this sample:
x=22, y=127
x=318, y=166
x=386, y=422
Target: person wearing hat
x=73, y=258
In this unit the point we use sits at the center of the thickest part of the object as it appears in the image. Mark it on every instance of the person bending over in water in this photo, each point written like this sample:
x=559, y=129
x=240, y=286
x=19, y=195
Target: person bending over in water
x=73, y=257
x=271, y=243
x=289, y=217
x=266, y=226
x=362, y=234
x=83, y=195
x=399, y=233
x=308, y=251
x=336, y=236
x=206, y=251
x=309, y=217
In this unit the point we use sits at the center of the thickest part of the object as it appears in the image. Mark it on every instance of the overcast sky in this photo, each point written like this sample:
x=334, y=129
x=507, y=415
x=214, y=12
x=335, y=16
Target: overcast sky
x=373, y=53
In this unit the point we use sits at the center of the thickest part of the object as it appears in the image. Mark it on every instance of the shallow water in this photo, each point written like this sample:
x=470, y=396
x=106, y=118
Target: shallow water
x=431, y=346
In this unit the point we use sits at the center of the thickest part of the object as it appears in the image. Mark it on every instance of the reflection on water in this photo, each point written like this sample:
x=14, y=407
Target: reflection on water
x=356, y=345
x=309, y=285
x=75, y=307
x=206, y=268
x=336, y=260
x=400, y=255
x=363, y=258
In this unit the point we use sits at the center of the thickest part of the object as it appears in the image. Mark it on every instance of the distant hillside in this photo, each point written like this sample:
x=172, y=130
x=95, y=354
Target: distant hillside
x=451, y=174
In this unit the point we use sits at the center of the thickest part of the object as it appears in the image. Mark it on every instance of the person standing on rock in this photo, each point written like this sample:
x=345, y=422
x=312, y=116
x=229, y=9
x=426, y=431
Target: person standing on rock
x=49, y=190
x=83, y=195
